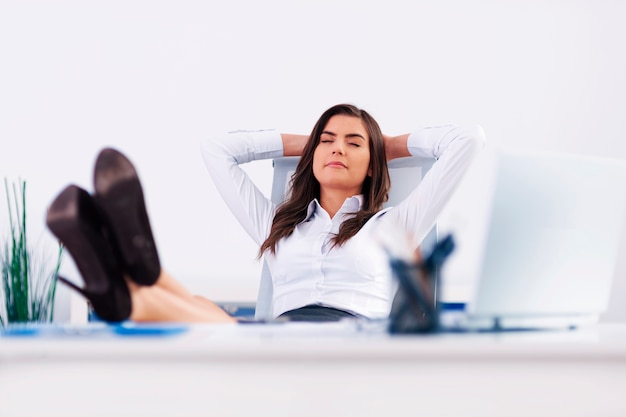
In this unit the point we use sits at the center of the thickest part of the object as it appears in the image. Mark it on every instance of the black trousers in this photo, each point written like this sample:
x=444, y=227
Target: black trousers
x=316, y=313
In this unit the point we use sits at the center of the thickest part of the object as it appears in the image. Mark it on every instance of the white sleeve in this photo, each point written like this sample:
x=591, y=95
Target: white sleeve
x=222, y=155
x=454, y=148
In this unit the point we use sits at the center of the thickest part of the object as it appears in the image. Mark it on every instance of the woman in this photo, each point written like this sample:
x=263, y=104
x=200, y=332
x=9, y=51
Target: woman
x=318, y=244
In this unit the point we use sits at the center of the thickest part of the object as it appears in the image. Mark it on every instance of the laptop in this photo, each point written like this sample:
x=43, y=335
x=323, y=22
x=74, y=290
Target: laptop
x=551, y=244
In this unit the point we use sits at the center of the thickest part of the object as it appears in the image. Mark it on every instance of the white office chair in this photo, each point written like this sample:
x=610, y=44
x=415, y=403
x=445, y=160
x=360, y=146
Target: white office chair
x=405, y=174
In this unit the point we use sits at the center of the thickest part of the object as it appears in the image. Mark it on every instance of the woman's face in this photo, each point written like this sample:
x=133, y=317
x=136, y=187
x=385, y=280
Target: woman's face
x=342, y=157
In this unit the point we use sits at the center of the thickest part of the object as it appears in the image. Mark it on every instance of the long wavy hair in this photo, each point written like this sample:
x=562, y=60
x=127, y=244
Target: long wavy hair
x=305, y=187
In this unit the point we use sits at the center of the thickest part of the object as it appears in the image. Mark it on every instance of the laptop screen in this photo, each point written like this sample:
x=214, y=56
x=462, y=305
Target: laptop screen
x=553, y=235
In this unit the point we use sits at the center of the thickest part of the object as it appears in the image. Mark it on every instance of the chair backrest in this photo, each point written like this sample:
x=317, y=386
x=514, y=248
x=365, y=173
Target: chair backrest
x=405, y=174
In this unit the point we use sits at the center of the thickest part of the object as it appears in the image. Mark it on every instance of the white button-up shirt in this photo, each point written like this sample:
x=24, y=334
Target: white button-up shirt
x=306, y=268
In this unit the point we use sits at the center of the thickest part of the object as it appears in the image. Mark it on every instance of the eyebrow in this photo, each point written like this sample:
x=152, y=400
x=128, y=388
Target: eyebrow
x=349, y=135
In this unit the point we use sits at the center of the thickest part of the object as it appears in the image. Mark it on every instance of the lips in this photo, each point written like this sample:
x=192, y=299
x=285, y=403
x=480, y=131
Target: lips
x=336, y=164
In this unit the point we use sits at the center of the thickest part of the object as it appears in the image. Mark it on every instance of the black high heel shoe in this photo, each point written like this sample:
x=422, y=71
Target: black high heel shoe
x=74, y=219
x=119, y=194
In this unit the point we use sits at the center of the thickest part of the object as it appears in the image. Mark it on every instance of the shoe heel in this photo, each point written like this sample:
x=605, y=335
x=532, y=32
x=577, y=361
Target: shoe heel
x=73, y=286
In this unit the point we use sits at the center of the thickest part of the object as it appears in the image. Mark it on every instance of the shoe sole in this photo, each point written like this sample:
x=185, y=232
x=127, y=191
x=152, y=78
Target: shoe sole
x=120, y=196
x=73, y=224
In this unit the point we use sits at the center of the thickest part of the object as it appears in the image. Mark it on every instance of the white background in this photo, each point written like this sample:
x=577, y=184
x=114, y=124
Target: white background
x=154, y=78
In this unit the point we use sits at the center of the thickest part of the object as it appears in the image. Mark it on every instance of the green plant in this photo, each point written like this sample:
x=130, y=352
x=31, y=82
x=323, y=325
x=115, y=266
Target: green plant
x=28, y=283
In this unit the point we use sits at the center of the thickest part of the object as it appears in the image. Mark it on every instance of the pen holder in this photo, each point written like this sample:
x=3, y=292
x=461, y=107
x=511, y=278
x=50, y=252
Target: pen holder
x=415, y=307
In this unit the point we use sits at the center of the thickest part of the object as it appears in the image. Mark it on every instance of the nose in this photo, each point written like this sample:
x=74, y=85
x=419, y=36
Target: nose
x=338, y=147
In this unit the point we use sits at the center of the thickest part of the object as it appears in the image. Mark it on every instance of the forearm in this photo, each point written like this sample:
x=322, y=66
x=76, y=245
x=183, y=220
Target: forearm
x=431, y=142
x=435, y=141
x=396, y=146
x=293, y=144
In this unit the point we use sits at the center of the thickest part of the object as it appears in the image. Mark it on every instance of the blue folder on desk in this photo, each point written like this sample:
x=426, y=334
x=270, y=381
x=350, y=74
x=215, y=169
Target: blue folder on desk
x=93, y=329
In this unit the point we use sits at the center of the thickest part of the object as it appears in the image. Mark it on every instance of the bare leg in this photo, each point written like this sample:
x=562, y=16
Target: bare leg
x=169, y=300
x=156, y=304
x=167, y=282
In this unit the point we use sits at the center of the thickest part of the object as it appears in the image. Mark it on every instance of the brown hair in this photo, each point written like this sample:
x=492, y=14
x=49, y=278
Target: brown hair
x=305, y=187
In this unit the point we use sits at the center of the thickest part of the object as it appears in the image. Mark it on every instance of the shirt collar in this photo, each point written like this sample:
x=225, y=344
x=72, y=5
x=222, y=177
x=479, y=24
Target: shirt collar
x=351, y=205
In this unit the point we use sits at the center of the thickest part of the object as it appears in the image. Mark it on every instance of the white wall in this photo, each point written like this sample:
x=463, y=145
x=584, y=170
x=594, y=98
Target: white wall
x=153, y=78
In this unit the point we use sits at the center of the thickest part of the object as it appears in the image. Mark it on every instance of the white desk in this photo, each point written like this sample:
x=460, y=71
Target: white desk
x=280, y=370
